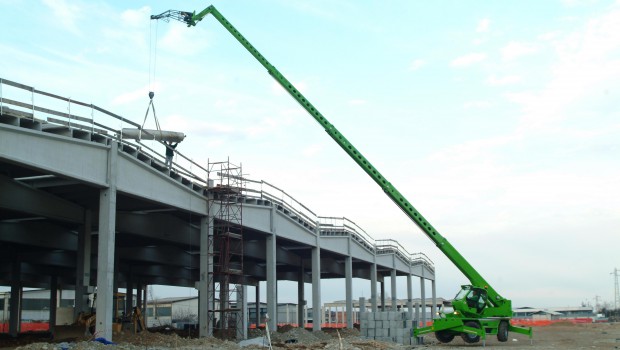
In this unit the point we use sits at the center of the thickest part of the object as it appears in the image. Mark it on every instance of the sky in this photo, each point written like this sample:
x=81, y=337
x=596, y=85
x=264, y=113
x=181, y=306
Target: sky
x=498, y=121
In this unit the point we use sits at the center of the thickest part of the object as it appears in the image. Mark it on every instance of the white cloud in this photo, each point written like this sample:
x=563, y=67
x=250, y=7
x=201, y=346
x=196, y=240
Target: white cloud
x=136, y=18
x=476, y=149
x=184, y=41
x=587, y=63
x=549, y=35
x=506, y=80
x=468, y=60
x=416, y=64
x=66, y=13
x=515, y=50
x=483, y=25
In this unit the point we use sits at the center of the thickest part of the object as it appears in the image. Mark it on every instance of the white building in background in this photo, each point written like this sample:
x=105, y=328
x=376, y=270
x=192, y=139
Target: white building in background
x=554, y=313
x=175, y=312
x=36, y=306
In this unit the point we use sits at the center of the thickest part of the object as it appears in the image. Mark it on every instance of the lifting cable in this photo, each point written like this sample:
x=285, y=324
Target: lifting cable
x=153, y=59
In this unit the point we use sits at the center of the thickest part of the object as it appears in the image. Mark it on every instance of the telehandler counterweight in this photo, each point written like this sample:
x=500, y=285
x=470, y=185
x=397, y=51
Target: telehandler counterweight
x=478, y=309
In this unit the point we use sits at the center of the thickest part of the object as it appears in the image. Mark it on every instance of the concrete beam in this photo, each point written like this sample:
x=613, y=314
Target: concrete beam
x=163, y=270
x=158, y=226
x=38, y=234
x=256, y=250
x=50, y=258
x=19, y=197
x=169, y=255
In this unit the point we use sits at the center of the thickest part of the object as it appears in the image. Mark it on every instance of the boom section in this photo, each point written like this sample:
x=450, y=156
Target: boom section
x=442, y=243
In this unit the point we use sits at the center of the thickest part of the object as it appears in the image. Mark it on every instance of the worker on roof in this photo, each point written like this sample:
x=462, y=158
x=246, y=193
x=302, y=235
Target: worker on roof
x=170, y=146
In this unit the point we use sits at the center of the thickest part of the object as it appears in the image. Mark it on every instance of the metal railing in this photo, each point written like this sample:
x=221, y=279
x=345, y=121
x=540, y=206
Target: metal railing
x=330, y=224
x=98, y=122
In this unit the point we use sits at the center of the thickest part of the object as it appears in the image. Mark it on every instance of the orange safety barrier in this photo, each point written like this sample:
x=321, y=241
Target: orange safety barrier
x=525, y=322
x=27, y=327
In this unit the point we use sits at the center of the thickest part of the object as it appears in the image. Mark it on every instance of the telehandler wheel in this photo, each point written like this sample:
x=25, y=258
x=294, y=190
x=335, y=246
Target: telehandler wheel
x=444, y=336
x=471, y=338
x=502, y=331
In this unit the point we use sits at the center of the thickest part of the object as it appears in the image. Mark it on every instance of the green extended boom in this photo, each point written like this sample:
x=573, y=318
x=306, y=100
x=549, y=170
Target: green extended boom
x=478, y=308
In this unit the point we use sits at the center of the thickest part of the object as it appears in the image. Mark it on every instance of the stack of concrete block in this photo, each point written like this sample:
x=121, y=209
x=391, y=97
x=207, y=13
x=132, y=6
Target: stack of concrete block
x=390, y=326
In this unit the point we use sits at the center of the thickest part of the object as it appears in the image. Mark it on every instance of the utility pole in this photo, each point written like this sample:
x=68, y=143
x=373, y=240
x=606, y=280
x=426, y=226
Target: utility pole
x=616, y=290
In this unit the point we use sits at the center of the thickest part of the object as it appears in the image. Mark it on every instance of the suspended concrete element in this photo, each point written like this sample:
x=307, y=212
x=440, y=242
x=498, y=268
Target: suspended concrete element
x=150, y=134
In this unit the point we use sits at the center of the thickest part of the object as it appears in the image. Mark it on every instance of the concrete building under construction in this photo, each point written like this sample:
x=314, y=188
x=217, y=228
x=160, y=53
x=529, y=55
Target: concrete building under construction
x=84, y=208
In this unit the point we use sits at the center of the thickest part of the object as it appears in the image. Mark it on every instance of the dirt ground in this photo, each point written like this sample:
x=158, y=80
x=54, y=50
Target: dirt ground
x=557, y=336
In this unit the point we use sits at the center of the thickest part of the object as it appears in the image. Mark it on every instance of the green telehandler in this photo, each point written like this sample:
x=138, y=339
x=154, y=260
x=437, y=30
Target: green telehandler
x=478, y=310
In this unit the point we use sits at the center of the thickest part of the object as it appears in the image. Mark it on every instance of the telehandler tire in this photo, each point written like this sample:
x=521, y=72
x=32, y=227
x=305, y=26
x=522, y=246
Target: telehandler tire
x=471, y=338
x=444, y=336
x=502, y=331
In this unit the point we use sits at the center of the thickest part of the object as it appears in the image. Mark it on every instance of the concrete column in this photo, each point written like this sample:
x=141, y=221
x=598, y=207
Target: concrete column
x=300, y=296
x=139, y=295
x=305, y=315
x=205, y=328
x=316, y=282
x=423, y=300
x=242, y=328
x=145, y=290
x=393, y=287
x=434, y=296
x=348, y=273
x=145, y=314
x=53, y=304
x=362, y=305
x=83, y=265
x=383, y=295
x=409, y=296
x=129, y=293
x=15, y=304
x=5, y=312
x=105, y=255
x=272, y=299
x=257, y=305
x=329, y=316
x=373, y=288
x=322, y=316
x=417, y=314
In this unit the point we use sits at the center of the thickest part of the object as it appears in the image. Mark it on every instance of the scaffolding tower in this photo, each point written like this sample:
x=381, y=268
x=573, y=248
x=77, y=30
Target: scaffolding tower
x=226, y=277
